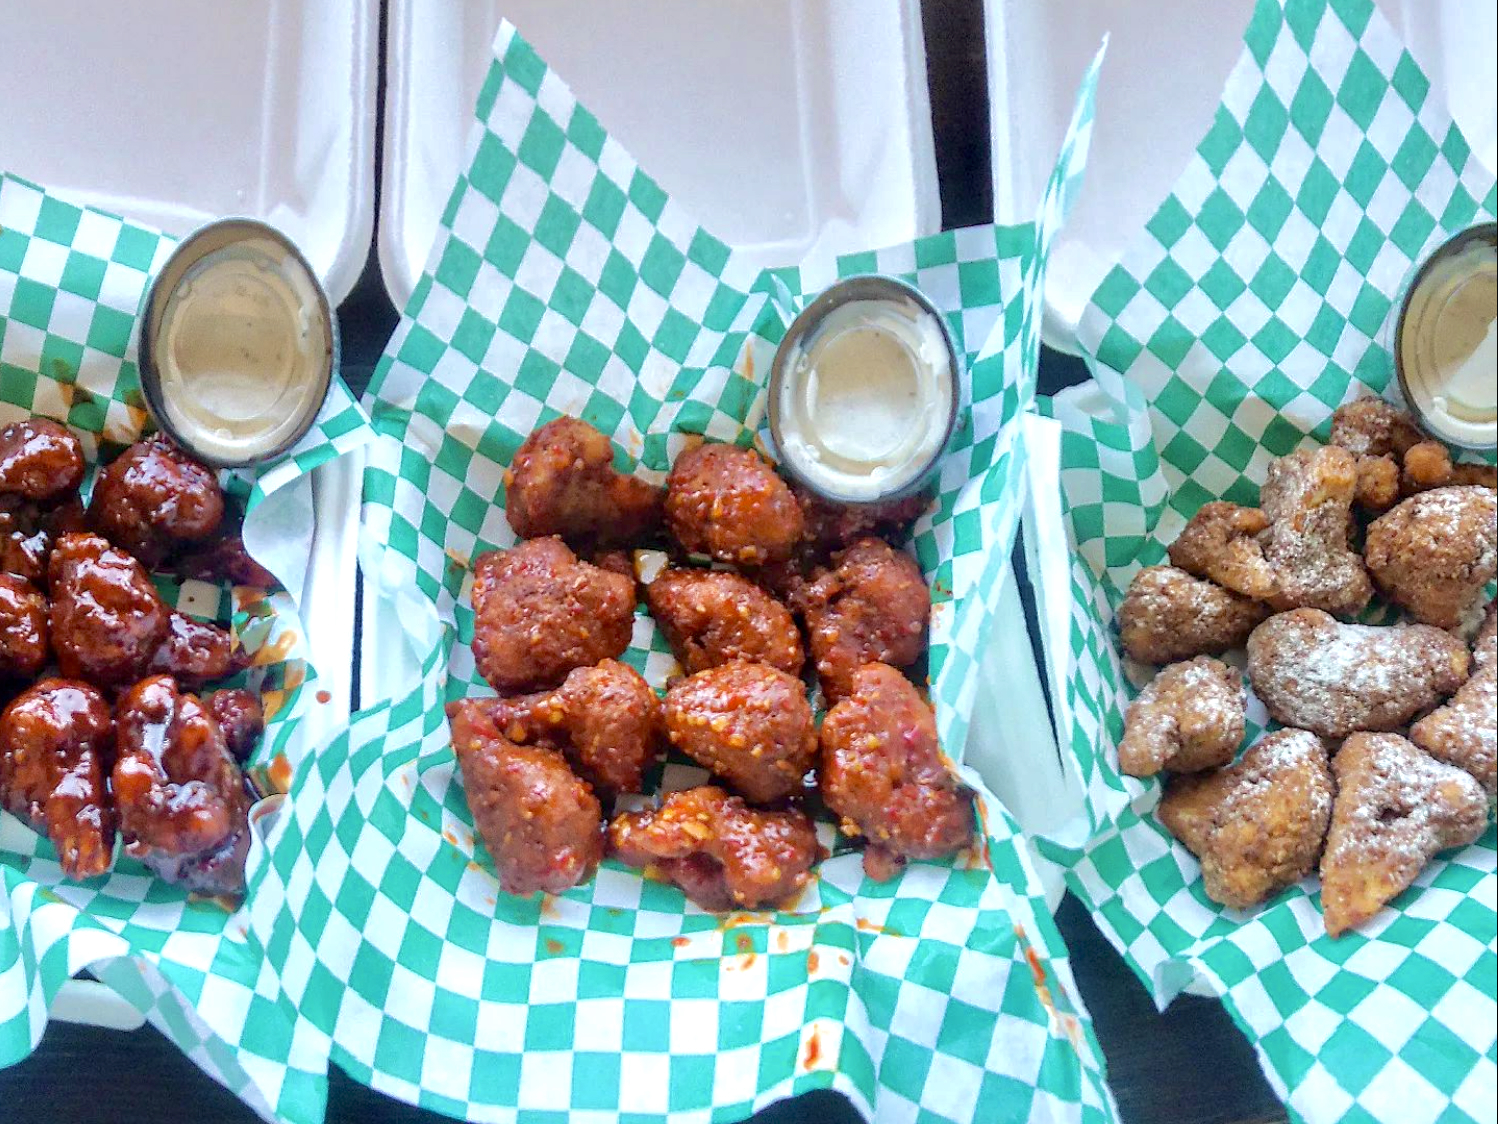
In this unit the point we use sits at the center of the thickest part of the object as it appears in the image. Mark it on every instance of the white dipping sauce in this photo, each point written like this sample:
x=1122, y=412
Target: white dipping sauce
x=1447, y=355
x=865, y=399
x=241, y=349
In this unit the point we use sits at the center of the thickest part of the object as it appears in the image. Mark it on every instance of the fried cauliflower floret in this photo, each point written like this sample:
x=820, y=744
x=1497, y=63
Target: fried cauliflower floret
x=56, y=744
x=831, y=525
x=1256, y=826
x=1317, y=673
x=1434, y=553
x=1378, y=484
x=539, y=612
x=1428, y=465
x=747, y=723
x=154, y=499
x=24, y=644
x=728, y=503
x=563, y=482
x=1371, y=427
x=1168, y=616
x=1464, y=732
x=1221, y=544
x=722, y=853
x=604, y=719
x=883, y=773
x=543, y=826
x=711, y=617
x=871, y=607
x=1308, y=498
x=40, y=459
x=1395, y=809
x=1190, y=717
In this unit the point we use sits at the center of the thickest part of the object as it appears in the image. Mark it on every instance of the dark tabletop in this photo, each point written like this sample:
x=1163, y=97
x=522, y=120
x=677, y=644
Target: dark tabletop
x=1187, y=1066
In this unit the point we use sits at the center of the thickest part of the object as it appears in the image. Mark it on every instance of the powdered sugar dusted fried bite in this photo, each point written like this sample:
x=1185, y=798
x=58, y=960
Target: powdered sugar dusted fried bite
x=1168, y=615
x=1464, y=732
x=1221, y=544
x=1308, y=499
x=1190, y=717
x=1317, y=673
x=1256, y=826
x=883, y=773
x=1371, y=427
x=1395, y=809
x=721, y=852
x=1434, y=553
x=1429, y=465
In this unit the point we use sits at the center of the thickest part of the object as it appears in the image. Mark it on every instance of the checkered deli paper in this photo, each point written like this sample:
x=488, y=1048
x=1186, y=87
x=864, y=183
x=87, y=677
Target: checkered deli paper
x=1249, y=309
x=565, y=281
x=71, y=281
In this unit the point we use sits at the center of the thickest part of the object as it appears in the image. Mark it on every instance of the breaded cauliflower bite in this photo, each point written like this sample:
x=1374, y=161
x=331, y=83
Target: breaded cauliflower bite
x=1168, y=615
x=883, y=773
x=563, y=482
x=1220, y=543
x=541, y=824
x=728, y=503
x=871, y=607
x=1434, y=553
x=1464, y=732
x=711, y=617
x=1308, y=499
x=1256, y=826
x=1396, y=808
x=749, y=724
x=539, y=612
x=1190, y=717
x=1314, y=672
x=721, y=852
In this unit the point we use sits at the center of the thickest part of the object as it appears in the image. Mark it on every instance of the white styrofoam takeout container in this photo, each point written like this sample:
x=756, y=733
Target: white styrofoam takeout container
x=786, y=128
x=1153, y=108
x=173, y=114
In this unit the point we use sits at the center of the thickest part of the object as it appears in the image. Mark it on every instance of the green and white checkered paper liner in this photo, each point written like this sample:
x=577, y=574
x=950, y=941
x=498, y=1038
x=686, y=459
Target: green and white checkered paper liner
x=565, y=281
x=1249, y=309
x=71, y=280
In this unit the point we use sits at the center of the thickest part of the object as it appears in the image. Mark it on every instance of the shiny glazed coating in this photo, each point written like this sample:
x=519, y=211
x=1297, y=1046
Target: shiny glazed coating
x=711, y=617
x=56, y=745
x=1314, y=672
x=1256, y=826
x=1464, y=732
x=539, y=613
x=831, y=525
x=728, y=502
x=182, y=801
x=563, y=482
x=1434, y=553
x=1220, y=543
x=107, y=618
x=883, y=773
x=541, y=824
x=1168, y=615
x=23, y=629
x=1308, y=499
x=240, y=718
x=722, y=853
x=871, y=607
x=1190, y=717
x=1372, y=427
x=40, y=459
x=28, y=530
x=605, y=719
x=153, y=498
x=748, y=723
x=225, y=560
x=195, y=651
x=1395, y=809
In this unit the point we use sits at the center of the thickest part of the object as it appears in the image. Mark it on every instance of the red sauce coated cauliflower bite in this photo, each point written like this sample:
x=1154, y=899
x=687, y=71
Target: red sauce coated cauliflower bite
x=563, y=482
x=727, y=502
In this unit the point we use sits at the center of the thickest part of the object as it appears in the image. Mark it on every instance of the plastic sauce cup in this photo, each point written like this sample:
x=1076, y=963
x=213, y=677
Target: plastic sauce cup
x=238, y=344
x=1443, y=339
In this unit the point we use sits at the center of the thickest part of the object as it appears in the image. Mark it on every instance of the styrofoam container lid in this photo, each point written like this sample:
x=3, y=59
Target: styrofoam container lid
x=1161, y=82
x=783, y=127
x=175, y=114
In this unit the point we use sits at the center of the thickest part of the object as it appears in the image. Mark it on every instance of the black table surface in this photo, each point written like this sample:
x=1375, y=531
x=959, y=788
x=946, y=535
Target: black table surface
x=1188, y=1065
